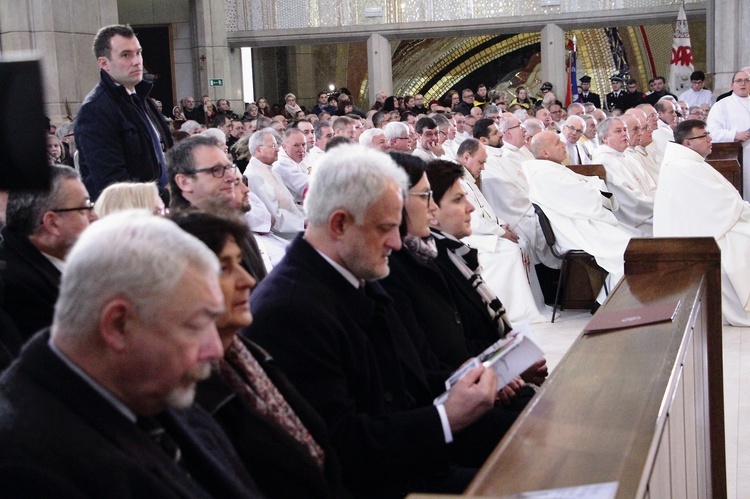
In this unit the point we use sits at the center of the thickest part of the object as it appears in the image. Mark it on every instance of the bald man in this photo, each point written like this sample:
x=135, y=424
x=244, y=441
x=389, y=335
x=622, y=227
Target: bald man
x=572, y=131
x=642, y=150
x=578, y=207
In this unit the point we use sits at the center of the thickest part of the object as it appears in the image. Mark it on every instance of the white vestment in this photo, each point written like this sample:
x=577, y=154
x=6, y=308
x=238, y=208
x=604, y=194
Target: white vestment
x=693, y=98
x=294, y=175
x=662, y=136
x=505, y=268
x=646, y=160
x=577, y=153
x=289, y=218
x=643, y=163
x=579, y=214
x=505, y=188
x=634, y=196
x=424, y=154
x=313, y=156
x=725, y=119
x=693, y=199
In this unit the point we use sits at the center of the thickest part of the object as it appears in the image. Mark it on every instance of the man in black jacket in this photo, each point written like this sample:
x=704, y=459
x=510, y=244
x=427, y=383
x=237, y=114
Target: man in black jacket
x=120, y=134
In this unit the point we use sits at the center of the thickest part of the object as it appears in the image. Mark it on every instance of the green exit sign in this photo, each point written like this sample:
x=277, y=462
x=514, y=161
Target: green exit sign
x=216, y=82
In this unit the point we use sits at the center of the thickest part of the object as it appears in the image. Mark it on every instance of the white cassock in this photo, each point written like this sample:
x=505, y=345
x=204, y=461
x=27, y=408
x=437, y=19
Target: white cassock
x=505, y=268
x=662, y=136
x=313, y=156
x=424, y=154
x=294, y=175
x=693, y=199
x=272, y=248
x=505, y=188
x=577, y=154
x=639, y=158
x=289, y=218
x=693, y=98
x=634, y=197
x=646, y=160
x=727, y=117
x=579, y=214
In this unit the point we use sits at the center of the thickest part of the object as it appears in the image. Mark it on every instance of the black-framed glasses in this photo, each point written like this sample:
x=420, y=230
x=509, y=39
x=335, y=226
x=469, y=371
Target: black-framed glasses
x=520, y=125
x=217, y=171
x=427, y=196
x=707, y=134
x=87, y=207
x=742, y=80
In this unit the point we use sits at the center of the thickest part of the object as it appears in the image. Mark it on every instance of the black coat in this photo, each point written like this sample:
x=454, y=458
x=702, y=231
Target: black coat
x=592, y=98
x=350, y=357
x=31, y=283
x=60, y=438
x=114, y=137
x=280, y=465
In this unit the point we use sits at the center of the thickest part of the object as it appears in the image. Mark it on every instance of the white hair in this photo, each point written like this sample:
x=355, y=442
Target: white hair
x=394, y=129
x=190, y=126
x=352, y=179
x=366, y=138
x=217, y=134
x=131, y=254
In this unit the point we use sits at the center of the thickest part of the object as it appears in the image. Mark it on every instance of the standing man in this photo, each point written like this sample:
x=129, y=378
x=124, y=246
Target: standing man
x=729, y=121
x=660, y=91
x=696, y=94
x=616, y=98
x=587, y=96
x=120, y=134
x=632, y=97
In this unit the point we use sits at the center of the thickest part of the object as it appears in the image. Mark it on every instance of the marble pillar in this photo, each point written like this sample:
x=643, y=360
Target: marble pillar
x=379, y=69
x=63, y=34
x=553, y=59
x=731, y=41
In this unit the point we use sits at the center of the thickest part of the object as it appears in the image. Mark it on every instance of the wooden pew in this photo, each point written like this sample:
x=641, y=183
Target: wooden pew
x=726, y=158
x=590, y=170
x=641, y=406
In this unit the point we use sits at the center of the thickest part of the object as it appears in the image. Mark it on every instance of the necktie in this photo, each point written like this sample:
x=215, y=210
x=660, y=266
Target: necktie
x=157, y=433
x=155, y=141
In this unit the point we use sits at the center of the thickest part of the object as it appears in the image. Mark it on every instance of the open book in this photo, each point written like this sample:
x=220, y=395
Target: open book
x=509, y=357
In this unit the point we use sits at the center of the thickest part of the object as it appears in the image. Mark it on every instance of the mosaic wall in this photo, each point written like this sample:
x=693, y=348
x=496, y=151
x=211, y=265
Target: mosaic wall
x=244, y=15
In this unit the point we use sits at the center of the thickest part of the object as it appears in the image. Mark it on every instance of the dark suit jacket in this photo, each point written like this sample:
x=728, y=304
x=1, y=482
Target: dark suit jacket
x=31, y=282
x=592, y=98
x=280, y=465
x=478, y=328
x=60, y=438
x=349, y=356
x=422, y=295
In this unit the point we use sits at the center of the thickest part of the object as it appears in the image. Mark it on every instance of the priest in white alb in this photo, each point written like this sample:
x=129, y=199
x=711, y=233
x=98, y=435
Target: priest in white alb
x=692, y=200
x=578, y=207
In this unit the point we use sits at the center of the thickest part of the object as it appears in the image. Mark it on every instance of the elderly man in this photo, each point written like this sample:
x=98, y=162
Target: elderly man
x=192, y=112
x=638, y=137
x=120, y=134
x=572, y=131
x=514, y=140
x=397, y=137
x=578, y=207
x=133, y=333
x=40, y=229
x=501, y=253
x=201, y=176
x=729, y=121
x=693, y=199
x=625, y=178
x=331, y=326
x=290, y=165
x=288, y=217
x=374, y=138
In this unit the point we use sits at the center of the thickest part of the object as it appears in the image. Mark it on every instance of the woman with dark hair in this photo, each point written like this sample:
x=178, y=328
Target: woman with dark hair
x=391, y=104
x=281, y=440
x=263, y=108
x=344, y=107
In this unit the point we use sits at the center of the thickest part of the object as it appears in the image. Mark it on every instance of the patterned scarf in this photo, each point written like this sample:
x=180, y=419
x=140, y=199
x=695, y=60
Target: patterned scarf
x=466, y=261
x=239, y=364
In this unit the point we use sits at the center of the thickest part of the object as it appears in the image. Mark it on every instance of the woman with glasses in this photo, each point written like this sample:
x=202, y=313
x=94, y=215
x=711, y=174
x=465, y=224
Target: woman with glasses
x=280, y=438
x=291, y=108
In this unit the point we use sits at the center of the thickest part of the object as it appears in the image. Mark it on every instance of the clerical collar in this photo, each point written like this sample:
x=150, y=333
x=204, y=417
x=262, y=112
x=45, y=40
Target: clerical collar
x=108, y=396
x=511, y=147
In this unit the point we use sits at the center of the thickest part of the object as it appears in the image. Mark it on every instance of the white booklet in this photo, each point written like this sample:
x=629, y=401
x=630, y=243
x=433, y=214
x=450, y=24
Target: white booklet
x=509, y=357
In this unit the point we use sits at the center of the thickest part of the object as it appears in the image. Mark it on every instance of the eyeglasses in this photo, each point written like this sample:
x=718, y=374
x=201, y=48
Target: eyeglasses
x=742, y=80
x=217, y=171
x=161, y=211
x=87, y=207
x=520, y=125
x=573, y=129
x=427, y=196
x=707, y=134
x=402, y=138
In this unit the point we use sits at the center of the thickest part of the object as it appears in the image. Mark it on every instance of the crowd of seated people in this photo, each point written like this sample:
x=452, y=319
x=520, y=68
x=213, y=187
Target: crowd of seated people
x=286, y=317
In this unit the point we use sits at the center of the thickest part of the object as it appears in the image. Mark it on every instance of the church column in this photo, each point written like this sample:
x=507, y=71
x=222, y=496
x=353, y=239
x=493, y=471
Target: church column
x=553, y=59
x=731, y=40
x=63, y=33
x=217, y=61
x=379, y=69
x=302, y=76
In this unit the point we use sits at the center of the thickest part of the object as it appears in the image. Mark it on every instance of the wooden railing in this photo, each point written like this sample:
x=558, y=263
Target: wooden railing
x=642, y=407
